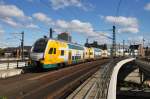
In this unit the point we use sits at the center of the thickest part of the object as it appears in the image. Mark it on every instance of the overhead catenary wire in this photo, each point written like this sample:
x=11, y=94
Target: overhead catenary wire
x=113, y=50
x=39, y=27
x=71, y=12
x=48, y=6
x=117, y=11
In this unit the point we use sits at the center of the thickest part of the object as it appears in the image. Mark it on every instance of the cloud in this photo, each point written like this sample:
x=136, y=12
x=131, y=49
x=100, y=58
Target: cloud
x=42, y=17
x=126, y=24
x=15, y=24
x=136, y=39
x=147, y=7
x=10, y=11
x=10, y=22
x=71, y=26
x=102, y=40
x=128, y=30
x=31, y=25
x=1, y=31
x=122, y=21
x=58, y=4
x=15, y=17
x=76, y=26
x=84, y=28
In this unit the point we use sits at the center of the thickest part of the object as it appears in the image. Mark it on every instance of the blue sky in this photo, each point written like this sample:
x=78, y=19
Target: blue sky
x=81, y=18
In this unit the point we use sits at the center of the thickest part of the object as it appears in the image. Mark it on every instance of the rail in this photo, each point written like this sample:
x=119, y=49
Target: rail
x=143, y=65
x=143, y=61
x=105, y=77
x=90, y=90
x=104, y=80
x=61, y=88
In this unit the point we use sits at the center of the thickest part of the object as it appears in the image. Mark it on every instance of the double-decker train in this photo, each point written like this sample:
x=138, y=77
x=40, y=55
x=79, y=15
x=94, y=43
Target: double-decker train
x=49, y=53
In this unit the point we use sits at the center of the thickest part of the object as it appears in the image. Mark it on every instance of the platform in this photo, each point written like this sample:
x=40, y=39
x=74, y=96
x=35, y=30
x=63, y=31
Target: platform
x=5, y=66
x=10, y=72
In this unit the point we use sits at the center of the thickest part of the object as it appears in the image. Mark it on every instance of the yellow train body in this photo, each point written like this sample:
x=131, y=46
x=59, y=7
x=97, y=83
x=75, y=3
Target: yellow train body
x=53, y=52
x=49, y=53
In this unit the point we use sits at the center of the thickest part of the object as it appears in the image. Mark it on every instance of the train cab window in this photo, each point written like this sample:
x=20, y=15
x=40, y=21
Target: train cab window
x=75, y=57
x=72, y=57
x=40, y=46
x=79, y=57
x=54, y=51
x=62, y=52
x=51, y=51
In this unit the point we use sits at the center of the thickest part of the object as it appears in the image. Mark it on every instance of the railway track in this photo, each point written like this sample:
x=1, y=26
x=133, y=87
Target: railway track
x=88, y=89
x=54, y=84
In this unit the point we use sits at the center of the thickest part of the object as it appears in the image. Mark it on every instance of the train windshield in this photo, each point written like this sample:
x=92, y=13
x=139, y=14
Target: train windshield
x=40, y=45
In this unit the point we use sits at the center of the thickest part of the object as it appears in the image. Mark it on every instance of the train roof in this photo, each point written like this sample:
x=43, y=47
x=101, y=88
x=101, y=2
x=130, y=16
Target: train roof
x=62, y=41
x=70, y=43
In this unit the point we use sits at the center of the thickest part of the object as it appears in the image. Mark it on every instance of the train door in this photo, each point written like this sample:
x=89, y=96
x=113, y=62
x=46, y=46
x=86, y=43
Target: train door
x=83, y=55
x=90, y=52
x=69, y=57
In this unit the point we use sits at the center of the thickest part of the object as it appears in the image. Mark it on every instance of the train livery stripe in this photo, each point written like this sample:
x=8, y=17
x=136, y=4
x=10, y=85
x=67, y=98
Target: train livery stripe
x=49, y=65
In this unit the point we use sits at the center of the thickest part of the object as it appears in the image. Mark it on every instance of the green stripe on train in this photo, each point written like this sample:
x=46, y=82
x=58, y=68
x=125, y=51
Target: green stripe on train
x=49, y=65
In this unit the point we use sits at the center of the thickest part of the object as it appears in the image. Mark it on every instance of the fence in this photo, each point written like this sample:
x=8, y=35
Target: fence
x=9, y=64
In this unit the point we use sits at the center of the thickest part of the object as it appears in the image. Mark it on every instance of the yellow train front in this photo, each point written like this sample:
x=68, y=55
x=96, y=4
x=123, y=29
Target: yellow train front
x=50, y=53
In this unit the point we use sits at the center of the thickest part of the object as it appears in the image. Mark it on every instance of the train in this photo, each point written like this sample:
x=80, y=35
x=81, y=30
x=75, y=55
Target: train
x=49, y=53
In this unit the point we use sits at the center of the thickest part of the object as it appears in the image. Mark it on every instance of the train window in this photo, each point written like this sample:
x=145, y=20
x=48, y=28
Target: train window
x=76, y=57
x=72, y=57
x=51, y=51
x=40, y=45
x=54, y=51
x=79, y=57
x=62, y=52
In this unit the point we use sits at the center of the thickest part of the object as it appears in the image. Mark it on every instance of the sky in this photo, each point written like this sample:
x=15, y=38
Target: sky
x=80, y=18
